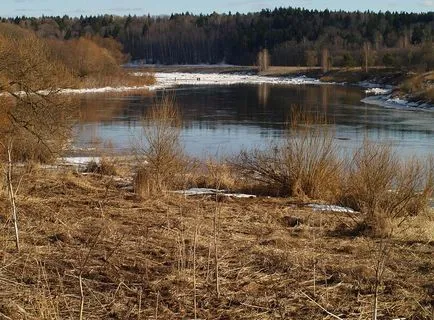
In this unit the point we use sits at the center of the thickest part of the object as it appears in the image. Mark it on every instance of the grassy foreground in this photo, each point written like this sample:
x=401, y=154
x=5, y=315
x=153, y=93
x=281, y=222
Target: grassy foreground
x=89, y=243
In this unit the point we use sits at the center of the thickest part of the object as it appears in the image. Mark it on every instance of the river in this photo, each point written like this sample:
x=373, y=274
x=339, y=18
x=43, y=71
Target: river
x=224, y=119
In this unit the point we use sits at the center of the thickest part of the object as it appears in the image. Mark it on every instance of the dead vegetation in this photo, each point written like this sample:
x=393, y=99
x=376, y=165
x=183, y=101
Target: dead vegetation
x=306, y=164
x=420, y=86
x=89, y=62
x=90, y=247
x=162, y=162
x=386, y=188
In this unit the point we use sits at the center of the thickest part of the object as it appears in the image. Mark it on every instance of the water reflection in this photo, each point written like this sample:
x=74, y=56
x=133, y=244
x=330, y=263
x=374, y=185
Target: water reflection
x=225, y=119
x=263, y=94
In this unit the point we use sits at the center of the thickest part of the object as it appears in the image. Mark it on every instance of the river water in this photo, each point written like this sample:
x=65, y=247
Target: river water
x=220, y=120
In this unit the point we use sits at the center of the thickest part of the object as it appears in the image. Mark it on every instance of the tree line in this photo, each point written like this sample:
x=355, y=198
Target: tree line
x=292, y=36
x=33, y=70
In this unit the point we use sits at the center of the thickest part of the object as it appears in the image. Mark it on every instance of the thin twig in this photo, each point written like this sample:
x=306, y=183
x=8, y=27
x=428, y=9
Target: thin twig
x=5, y=316
x=194, y=271
x=140, y=304
x=12, y=196
x=320, y=306
x=216, y=257
x=81, y=296
x=156, y=306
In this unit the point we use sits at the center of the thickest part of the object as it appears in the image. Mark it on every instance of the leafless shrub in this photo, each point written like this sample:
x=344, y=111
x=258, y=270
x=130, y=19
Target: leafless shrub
x=215, y=174
x=105, y=166
x=164, y=160
x=34, y=116
x=305, y=164
x=370, y=177
x=385, y=188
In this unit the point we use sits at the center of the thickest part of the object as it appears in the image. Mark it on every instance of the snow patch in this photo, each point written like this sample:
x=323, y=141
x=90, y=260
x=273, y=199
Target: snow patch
x=387, y=101
x=79, y=160
x=209, y=192
x=330, y=208
x=173, y=79
x=103, y=90
x=372, y=85
x=377, y=91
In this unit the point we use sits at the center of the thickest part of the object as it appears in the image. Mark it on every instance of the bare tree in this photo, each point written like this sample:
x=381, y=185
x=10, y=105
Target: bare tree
x=366, y=55
x=325, y=60
x=263, y=60
x=33, y=117
x=162, y=150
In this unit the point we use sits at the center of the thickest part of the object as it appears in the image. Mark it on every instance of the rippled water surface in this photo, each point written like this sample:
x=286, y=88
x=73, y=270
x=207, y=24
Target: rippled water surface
x=225, y=119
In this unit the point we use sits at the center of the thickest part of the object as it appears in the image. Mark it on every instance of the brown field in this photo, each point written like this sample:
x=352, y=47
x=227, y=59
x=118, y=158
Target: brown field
x=88, y=242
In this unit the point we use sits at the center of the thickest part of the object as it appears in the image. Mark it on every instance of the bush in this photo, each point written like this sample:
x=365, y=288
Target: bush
x=164, y=160
x=385, y=189
x=348, y=60
x=104, y=167
x=84, y=57
x=36, y=123
x=305, y=164
x=389, y=60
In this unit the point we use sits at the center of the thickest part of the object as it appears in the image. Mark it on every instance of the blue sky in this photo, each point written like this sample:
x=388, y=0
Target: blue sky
x=11, y=8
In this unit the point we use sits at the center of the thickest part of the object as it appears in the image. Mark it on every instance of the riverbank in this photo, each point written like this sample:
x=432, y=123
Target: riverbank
x=384, y=87
x=87, y=240
x=405, y=90
x=384, y=76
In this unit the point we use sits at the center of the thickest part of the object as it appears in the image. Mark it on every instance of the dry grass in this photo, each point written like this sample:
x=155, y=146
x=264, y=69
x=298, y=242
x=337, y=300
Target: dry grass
x=214, y=174
x=420, y=86
x=122, y=79
x=136, y=258
x=163, y=163
x=106, y=166
x=387, y=189
x=306, y=164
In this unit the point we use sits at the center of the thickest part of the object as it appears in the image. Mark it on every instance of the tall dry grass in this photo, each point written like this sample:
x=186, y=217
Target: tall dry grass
x=388, y=190
x=374, y=180
x=305, y=164
x=164, y=162
x=370, y=176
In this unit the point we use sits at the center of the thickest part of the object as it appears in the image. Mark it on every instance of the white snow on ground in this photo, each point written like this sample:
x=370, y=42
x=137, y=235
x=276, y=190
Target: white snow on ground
x=380, y=95
x=90, y=90
x=371, y=85
x=387, y=101
x=206, y=192
x=169, y=80
x=164, y=80
x=239, y=195
x=329, y=207
x=173, y=79
x=79, y=160
x=198, y=191
x=378, y=91
x=102, y=90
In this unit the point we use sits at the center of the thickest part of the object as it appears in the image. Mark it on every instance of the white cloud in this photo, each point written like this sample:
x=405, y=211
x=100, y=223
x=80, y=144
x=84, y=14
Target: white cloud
x=428, y=3
x=33, y=10
x=124, y=9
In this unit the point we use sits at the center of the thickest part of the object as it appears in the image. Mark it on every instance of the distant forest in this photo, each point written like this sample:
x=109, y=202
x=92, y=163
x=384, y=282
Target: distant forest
x=294, y=37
